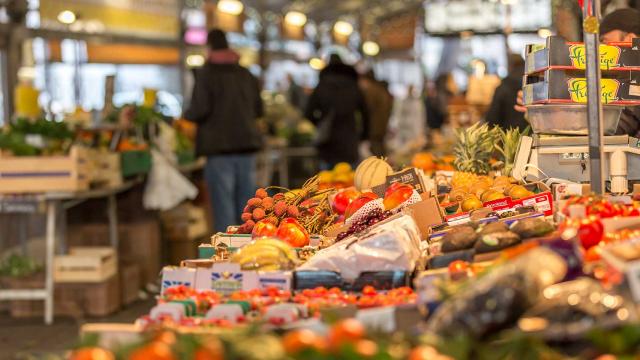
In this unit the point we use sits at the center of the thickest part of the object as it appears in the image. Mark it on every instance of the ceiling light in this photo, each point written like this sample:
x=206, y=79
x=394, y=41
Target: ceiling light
x=67, y=17
x=295, y=18
x=370, y=48
x=316, y=63
x=195, y=60
x=343, y=28
x=233, y=7
x=544, y=33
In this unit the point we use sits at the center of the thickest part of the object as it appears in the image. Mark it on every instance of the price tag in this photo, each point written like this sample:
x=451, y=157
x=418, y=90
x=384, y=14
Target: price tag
x=409, y=176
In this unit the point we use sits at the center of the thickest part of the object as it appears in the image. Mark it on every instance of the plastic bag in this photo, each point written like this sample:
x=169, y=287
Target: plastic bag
x=392, y=245
x=166, y=187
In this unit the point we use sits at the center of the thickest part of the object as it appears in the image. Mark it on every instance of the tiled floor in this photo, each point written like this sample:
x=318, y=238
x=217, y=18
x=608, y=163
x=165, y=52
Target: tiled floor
x=30, y=339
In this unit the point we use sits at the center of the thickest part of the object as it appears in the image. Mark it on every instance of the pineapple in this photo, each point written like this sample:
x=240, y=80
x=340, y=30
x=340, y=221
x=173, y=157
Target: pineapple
x=473, y=148
x=508, y=146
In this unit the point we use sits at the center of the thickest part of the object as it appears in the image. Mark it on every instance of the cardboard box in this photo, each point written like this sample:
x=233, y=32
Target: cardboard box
x=175, y=276
x=426, y=214
x=558, y=54
x=85, y=264
x=570, y=87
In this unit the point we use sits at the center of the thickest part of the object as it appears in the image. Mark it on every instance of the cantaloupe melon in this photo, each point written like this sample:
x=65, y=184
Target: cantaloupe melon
x=370, y=173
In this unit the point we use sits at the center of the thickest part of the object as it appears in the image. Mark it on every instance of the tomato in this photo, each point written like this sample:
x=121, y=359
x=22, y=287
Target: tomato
x=593, y=254
x=634, y=212
x=590, y=232
x=298, y=340
x=369, y=290
x=424, y=352
x=359, y=202
x=345, y=331
x=458, y=266
x=264, y=228
x=291, y=232
x=343, y=198
x=92, y=353
x=398, y=195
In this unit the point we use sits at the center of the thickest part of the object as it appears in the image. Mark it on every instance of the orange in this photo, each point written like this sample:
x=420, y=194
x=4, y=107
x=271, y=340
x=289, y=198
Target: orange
x=423, y=161
x=92, y=353
x=345, y=331
x=366, y=348
x=153, y=351
x=298, y=340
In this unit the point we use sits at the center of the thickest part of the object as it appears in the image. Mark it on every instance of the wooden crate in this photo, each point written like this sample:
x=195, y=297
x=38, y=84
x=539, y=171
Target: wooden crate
x=105, y=168
x=130, y=281
x=185, y=223
x=29, y=174
x=86, y=264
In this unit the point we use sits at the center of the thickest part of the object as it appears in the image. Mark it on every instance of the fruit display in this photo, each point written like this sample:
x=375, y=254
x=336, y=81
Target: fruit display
x=357, y=227
x=40, y=137
x=309, y=205
x=266, y=254
x=370, y=173
x=340, y=177
x=473, y=148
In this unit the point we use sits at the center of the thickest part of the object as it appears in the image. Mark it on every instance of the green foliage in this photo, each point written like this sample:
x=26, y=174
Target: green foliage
x=18, y=266
x=623, y=341
x=473, y=148
x=508, y=146
x=56, y=137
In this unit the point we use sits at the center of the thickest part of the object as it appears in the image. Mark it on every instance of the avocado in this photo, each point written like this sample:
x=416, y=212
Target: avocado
x=493, y=227
x=532, y=227
x=459, y=238
x=496, y=241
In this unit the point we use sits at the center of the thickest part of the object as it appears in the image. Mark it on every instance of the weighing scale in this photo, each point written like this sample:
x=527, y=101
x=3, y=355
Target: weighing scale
x=567, y=158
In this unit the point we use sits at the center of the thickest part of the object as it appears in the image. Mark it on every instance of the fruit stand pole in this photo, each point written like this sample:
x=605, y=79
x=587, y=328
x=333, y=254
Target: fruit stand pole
x=55, y=206
x=590, y=27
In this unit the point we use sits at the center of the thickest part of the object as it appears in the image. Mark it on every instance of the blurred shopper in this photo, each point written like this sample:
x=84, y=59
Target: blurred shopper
x=379, y=104
x=502, y=112
x=437, y=103
x=338, y=110
x=225, y=104
x=622, y=25
x=408, y=123
x=295, y=94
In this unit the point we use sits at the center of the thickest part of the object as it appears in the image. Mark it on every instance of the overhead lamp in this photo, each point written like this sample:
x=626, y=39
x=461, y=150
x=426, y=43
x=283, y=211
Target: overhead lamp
x=316, y=63
x=343, y=28
x=544, y=33
x=232, y=7
x=67, y=17
x=370, y=48
x=195, y=60
x=295, y=18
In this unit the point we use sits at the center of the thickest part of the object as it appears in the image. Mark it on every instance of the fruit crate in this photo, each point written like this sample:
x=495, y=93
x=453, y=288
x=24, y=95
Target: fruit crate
x=35, y=174
x=135, y=162
x=105, y=168
x=85, y=264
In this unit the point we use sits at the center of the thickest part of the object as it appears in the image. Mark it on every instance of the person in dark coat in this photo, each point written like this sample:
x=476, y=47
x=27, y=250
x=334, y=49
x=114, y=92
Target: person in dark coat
x=337, y=108
x=379, y=106
x=502, y=111
x=225, y=105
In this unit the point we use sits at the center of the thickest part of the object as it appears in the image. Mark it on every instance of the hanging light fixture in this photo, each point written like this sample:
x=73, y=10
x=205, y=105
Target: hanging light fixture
x=295, y=18
x=316, y=63
x=233, y=7
x=343, y=28
x=370, y=48
x=67, y=17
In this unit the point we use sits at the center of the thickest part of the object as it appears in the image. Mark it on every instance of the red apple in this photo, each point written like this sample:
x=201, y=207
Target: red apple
x=358, y=203
x=264, y=228
x=291, y=232
x=396, y=195
x=343, y=198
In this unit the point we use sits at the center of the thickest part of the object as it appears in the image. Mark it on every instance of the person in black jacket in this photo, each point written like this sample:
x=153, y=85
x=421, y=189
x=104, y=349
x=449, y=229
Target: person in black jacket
x=338, y=110
x=225, y=104
x=502, y=111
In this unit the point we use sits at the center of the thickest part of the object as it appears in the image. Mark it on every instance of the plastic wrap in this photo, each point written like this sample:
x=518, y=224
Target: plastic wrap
x=392, y=245
x=496, y=300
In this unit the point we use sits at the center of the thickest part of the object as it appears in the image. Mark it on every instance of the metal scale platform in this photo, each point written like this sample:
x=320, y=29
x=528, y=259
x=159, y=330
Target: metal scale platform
x=567, y=157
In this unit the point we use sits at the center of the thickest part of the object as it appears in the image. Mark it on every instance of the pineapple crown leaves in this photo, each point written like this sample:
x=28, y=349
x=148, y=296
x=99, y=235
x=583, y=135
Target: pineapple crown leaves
x=474, y=147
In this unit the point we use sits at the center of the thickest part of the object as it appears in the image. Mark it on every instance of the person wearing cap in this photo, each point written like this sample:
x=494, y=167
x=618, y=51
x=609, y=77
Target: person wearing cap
x=622, y=25
x=225, y=104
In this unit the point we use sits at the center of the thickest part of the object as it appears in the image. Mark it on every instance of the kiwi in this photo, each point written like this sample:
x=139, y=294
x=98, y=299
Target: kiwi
x=496, y=241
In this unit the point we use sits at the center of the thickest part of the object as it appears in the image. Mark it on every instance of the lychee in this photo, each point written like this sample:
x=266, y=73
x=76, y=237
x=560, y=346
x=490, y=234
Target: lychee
x=261, y=193
x=280, y=208
x=273, y=220
x=267, y=203
x=258, y=214
x=247, y=209
x=246, y=216
x=249, y=224
x=254, y=202
x=278, y=197
x=293, y=211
